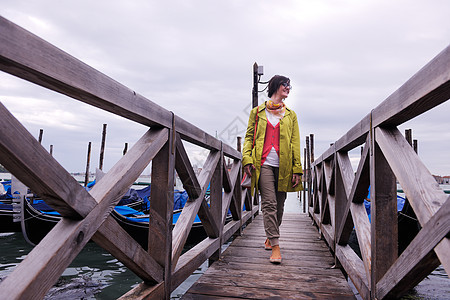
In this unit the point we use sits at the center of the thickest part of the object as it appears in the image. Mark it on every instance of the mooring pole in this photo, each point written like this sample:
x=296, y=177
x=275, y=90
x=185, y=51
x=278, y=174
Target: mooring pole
x=125, y=149
x=86, y=177
x=102, y=148
x=41, y=133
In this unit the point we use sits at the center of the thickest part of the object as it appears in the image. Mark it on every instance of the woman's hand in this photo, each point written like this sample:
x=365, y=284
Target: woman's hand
x=248, y=169
x=295, y=180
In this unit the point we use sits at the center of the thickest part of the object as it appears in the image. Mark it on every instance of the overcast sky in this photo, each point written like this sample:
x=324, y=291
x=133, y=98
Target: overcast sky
x=195, y=58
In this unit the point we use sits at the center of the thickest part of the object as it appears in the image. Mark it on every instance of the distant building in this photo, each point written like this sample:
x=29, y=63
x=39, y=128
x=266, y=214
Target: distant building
x=442, y=179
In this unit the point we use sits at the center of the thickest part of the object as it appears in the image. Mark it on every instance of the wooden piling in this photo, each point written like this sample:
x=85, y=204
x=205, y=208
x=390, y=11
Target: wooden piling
x=102, y=148
x=88, y=161
x=41, y=133
x=125, y=149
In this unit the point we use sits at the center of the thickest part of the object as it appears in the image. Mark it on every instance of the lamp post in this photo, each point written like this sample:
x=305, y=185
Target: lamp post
x=257, y=73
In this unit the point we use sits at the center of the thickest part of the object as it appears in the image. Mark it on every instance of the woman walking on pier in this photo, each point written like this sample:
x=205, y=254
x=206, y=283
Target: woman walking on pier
x=271, y=157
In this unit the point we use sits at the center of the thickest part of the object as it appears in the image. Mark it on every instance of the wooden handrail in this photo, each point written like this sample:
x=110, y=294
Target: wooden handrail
x=31, y=58
x=336, y=203
x=86, y=215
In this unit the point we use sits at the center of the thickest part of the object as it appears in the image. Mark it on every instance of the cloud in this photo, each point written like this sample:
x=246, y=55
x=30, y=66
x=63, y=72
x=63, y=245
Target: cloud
x=195, y=58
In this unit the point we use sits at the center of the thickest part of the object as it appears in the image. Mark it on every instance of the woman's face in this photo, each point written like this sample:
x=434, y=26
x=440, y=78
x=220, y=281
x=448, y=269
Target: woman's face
x=284, y=89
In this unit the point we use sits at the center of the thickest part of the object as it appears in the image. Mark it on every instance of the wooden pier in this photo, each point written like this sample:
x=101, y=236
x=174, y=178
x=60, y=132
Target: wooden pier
x=335, y=196
x=244, y=270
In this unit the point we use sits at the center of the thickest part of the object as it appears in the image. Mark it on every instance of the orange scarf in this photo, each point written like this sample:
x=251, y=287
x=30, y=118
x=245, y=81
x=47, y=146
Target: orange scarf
x=276, y=109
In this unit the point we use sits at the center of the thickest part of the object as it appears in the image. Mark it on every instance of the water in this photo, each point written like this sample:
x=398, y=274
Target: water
x=96, y=274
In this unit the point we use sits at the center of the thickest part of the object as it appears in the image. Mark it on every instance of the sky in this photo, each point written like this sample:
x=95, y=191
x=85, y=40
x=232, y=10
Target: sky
x=195, y=58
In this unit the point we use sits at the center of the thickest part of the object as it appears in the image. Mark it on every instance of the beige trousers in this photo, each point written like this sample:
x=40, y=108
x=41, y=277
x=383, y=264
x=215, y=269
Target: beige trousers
x=272, y=203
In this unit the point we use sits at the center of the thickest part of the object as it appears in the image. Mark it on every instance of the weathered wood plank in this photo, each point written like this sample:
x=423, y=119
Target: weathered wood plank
x=25, y=157
x=43, y=266
x=428, y=88
x=208, y=290
x=161, y=209
x=354, y=268
x=192, y=259
x=232, y=179
x=418, y=259
x=245, y=272
x=145, y=291
x=355, y=190
x=29, y=57
x=384, y=222
x=183, y=226
x=185, y=171
x=422, y=191
x=122, y=246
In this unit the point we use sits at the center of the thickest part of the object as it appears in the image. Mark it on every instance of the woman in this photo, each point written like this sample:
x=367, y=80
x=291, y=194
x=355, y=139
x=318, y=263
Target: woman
x=271, y=156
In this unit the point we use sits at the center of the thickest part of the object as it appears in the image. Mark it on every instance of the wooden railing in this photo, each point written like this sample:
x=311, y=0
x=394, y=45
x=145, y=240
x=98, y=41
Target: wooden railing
x=86, y=215
x=337, y=192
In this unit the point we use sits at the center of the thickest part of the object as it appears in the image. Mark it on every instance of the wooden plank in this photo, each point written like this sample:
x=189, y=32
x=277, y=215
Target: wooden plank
x=63, y=243
x=230, y=229
x=422, y=191
x=216, y=291
x=354, y=268
x=161, y=210
x=325, y=216
x=24, y=157
x=122, y=246
x=226, y=183
x=190, y=210
x=384, y=222
x=418, y=259
x=358, y=192
x=192, y=259
x=185, y=171
x=145, y=291
x=29, y=57
x=244, y=270
x=354, y=189
x=428, y=88
x=363, y=232
x=234, y=186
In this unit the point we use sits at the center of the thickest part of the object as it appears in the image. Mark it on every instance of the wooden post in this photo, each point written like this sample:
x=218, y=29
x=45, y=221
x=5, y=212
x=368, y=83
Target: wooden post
x=384, y=223
x=161, y=209
x=408, y=136
x=415, y=146
x=308, y=168
x=239, y=144
x=41, y=133
x=86, y=177
x=311, y=140
x=255, y=86
x=304, y=181
x=125, y=149
x=51, y=150
x=215, y=204
x=102, y=148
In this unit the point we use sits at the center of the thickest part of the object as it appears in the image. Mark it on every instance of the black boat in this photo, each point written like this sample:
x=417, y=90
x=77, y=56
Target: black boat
x=38, y=218
x=7, y=213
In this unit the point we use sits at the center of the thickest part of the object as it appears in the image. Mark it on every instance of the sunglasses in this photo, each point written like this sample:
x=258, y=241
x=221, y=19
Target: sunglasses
x=287, y=85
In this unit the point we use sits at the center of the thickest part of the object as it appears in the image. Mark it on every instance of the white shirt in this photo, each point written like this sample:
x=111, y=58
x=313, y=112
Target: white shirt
x=272, y=158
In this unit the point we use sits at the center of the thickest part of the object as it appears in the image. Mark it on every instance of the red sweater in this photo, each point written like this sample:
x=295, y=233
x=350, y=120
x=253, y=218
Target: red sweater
x=272, y=139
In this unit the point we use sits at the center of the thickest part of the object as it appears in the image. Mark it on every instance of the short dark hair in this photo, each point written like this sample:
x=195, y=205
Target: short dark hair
x=275, y=82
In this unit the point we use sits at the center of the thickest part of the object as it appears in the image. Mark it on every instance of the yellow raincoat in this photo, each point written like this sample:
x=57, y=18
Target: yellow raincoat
x=290, y=162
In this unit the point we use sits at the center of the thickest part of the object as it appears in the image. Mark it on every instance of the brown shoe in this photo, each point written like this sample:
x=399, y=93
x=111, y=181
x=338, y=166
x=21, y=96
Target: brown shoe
x=267, y=245
x=275, y=258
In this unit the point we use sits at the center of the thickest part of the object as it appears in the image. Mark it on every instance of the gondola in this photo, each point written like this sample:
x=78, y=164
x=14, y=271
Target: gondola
x=7, y=223
x=38, y=218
